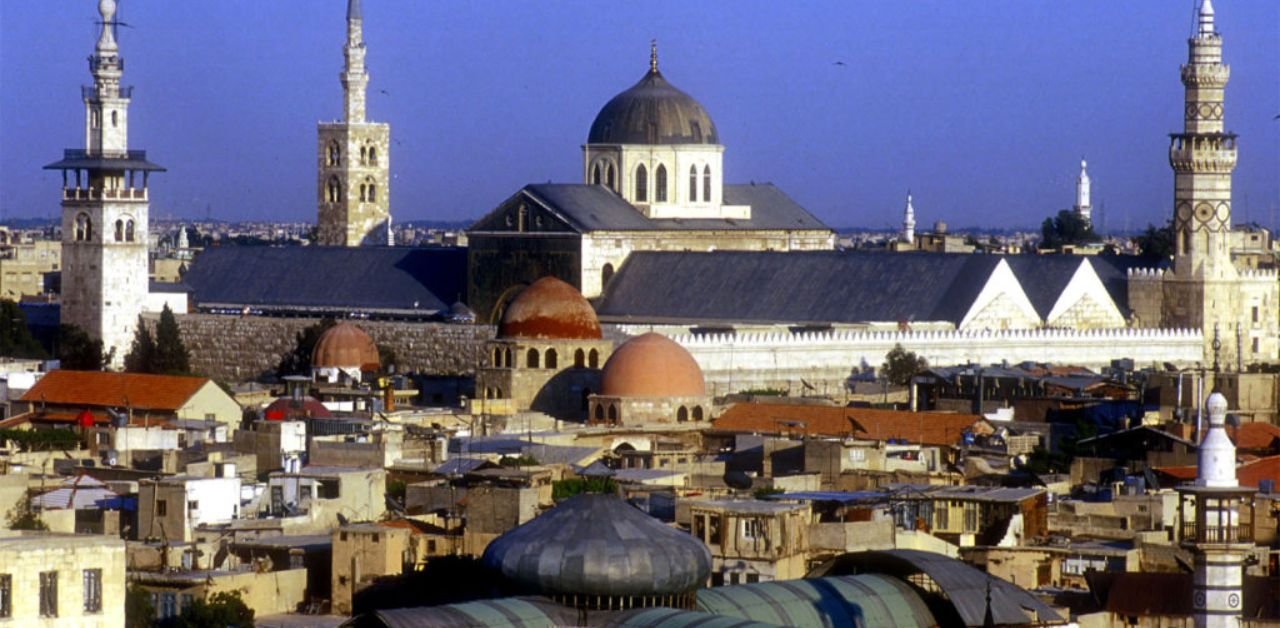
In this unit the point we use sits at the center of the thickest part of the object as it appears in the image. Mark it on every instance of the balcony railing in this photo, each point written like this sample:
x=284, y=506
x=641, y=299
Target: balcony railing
x=1191, y=531
x=98, y=194
x=80, y=153
x=90, y=92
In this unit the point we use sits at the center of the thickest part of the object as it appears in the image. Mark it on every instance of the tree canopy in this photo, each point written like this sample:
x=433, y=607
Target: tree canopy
x=163, y=354
x=1155, y=244
x=298, y=361
x=80, y=352
x=901, y=365
x=1065, y=229
x=16, y=340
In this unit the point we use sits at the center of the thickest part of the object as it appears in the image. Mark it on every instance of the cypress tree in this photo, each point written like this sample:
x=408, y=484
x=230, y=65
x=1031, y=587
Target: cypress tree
x=171, y=356
x=142, y=353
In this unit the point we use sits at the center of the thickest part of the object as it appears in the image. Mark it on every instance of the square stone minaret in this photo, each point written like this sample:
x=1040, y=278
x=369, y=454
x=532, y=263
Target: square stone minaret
x=105, y=207
x=353, y=159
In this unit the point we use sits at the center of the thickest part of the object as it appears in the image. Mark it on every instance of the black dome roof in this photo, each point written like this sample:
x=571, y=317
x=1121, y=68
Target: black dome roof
x=596, y=544
x=653, y=111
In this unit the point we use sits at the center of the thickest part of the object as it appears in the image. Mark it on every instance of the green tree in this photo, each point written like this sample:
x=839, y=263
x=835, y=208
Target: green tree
x=901, y=365
x=1155, y=244
x=142, y=353
x=16, y=340
x=138, y=610
x=1067, y=228
x=564, y=489
x=25, y=517
x=80, y=352
x=222, y=609
x=171, y=356
x=298, y=361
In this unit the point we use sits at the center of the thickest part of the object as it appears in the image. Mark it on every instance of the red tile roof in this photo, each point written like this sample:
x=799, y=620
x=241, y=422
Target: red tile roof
x=1256, y=435
x=927, y=428
x=92, y=389
x=1249, y=473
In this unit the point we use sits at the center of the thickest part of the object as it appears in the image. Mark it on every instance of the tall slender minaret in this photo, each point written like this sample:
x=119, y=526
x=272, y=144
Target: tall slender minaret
x=353, y=183
x=1203, y=291
x=105, y=207
x=1083, y=208
x=1212, y=528
x=909, y=222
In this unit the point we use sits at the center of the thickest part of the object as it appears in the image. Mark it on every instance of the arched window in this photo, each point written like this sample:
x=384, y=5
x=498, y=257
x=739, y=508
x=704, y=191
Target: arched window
x=595, y=175
x=682, y=415
x=697, y=413
x=115, y=119
x=531, y=359
x=693, y=184
x=552, y=359
x=642, y=184
x=373, y=155
x=362, y=192
x=128, y=230
x=606, y=274
x=706, y=184
x=497, y=357
x=510, y=358
x=608, y=178
x=660, y=182
x=599, y=411
x=333, y=157
x=119, y=231
x=82, y=222
x=364, y=155
x=334, y=189
x=371, y=190
x=613, y=412
x=593, y=359
x=579, y=358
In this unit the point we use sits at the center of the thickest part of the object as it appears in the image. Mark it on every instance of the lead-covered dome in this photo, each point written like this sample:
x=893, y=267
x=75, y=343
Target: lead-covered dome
x=598, y=546
x=651, y=365
x=550, y=309
x=653, y=111
x=345, y=346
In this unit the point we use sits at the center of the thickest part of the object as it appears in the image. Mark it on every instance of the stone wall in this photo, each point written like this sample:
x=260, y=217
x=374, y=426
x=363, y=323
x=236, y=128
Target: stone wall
x=235, y=348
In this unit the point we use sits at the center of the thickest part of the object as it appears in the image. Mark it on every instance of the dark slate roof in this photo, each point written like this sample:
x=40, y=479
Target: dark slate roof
x=80, y=159
x=1113, y=270
x=375, y=280
x=652, y=111
x=1043, y=277
x=596, y=208
x=596, y=544
x=794, y=287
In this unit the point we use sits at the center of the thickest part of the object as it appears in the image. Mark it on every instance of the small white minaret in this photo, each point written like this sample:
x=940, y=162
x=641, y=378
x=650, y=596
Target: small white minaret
x=1083, y=207
x=909, y=222
x=1211, y=526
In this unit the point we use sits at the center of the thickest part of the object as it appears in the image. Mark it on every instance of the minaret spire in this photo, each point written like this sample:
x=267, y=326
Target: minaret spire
x=653, y=56
x=354, y=78
x=1084, y=209
x=909, y=221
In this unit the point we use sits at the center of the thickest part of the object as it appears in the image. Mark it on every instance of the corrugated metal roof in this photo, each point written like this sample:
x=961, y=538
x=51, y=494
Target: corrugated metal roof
x=392, y=280
x=80, y=493
x=498, y=613
x=862, y=600
x=672, y=618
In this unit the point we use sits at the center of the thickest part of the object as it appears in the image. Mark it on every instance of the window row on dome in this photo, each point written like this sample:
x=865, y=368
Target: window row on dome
x=333, y=154
x=548, y=359
x=661, y=187
x=609, y=413
x=124, y=229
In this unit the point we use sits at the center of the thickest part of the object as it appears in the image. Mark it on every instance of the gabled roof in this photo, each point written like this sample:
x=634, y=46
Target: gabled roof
x=792, y=287
x=390, y=280
x=1257, y=435
x=587, y=208
x=80, y=493
x=1043, y=277
x=926, y=428
x=91, y=389
x=1251, y=473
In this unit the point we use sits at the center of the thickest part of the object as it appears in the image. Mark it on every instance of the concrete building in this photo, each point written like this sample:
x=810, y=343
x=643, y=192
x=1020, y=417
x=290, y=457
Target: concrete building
x=316, y=498
x=752, y=541
x=50, y=580
x=353, y=181
x=140, y=399
x=170, y=509
x=653, y=180
x=105, y=207
x=362, y=552
x=26, y=267
x=1234, y=308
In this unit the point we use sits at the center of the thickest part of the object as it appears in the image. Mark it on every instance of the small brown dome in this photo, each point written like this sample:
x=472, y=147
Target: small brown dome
x=652, y=365
x=551, y=309
x=345, y=346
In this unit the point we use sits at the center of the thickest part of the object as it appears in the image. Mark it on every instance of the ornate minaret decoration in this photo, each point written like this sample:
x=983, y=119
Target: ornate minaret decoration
x=354, y=158
x=1083, y=207
x=105, y=207
x=1212, y=526
x=909, y=222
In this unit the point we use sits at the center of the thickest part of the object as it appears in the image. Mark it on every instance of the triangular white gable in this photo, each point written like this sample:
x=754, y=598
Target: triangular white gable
x=1085, y=283
x=1003, y=285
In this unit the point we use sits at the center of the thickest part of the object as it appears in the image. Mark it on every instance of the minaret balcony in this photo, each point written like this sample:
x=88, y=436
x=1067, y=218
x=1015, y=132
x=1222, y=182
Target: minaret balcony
x=1203, y=153
x=1206, y=75
x=90, y=92
x=1197, y=532
x=100, y=194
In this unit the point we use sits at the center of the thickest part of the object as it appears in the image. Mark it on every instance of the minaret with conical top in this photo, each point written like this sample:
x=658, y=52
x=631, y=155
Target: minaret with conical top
x=105, y=207
x=909, y=222
x=1083, y=207
x=1212, y=526
x=354, y=158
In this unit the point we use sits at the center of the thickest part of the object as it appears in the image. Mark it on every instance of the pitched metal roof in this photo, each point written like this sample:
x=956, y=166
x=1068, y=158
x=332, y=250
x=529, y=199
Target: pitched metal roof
x=861, y=600
x=1043, y=277
x=375, y=280
x=595, y=208
x=674, y=618
x=792, y=287
x=512, y=611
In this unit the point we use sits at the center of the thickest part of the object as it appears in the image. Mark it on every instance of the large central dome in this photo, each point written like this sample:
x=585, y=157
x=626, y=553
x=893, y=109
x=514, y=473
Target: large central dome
x=653, y=111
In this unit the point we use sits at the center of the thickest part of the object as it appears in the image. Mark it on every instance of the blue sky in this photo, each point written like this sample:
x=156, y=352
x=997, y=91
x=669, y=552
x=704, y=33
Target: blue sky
x=982, y=109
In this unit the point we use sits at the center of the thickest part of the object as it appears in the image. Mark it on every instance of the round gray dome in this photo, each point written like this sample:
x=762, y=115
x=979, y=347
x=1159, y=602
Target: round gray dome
x=653, y=112
x=594, y=544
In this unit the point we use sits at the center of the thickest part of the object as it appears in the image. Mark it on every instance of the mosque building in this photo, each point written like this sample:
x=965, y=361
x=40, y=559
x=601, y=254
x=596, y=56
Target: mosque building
x=653, y=180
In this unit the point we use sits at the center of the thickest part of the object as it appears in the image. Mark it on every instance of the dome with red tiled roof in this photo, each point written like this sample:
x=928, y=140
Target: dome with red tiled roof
x=550, y=309
x=345, y=346
x=652, y=365
x=289, y=409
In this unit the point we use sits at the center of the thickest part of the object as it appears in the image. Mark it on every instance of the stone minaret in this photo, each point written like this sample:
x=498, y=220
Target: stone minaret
x=1203, y=292
x=909, y=222
x=1083, y=208
x=353, y=186
x=105, y=207
x=1212, y=527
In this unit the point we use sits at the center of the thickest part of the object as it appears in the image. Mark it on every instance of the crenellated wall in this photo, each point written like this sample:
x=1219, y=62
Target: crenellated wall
x=235, y=348
x=824, y=360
